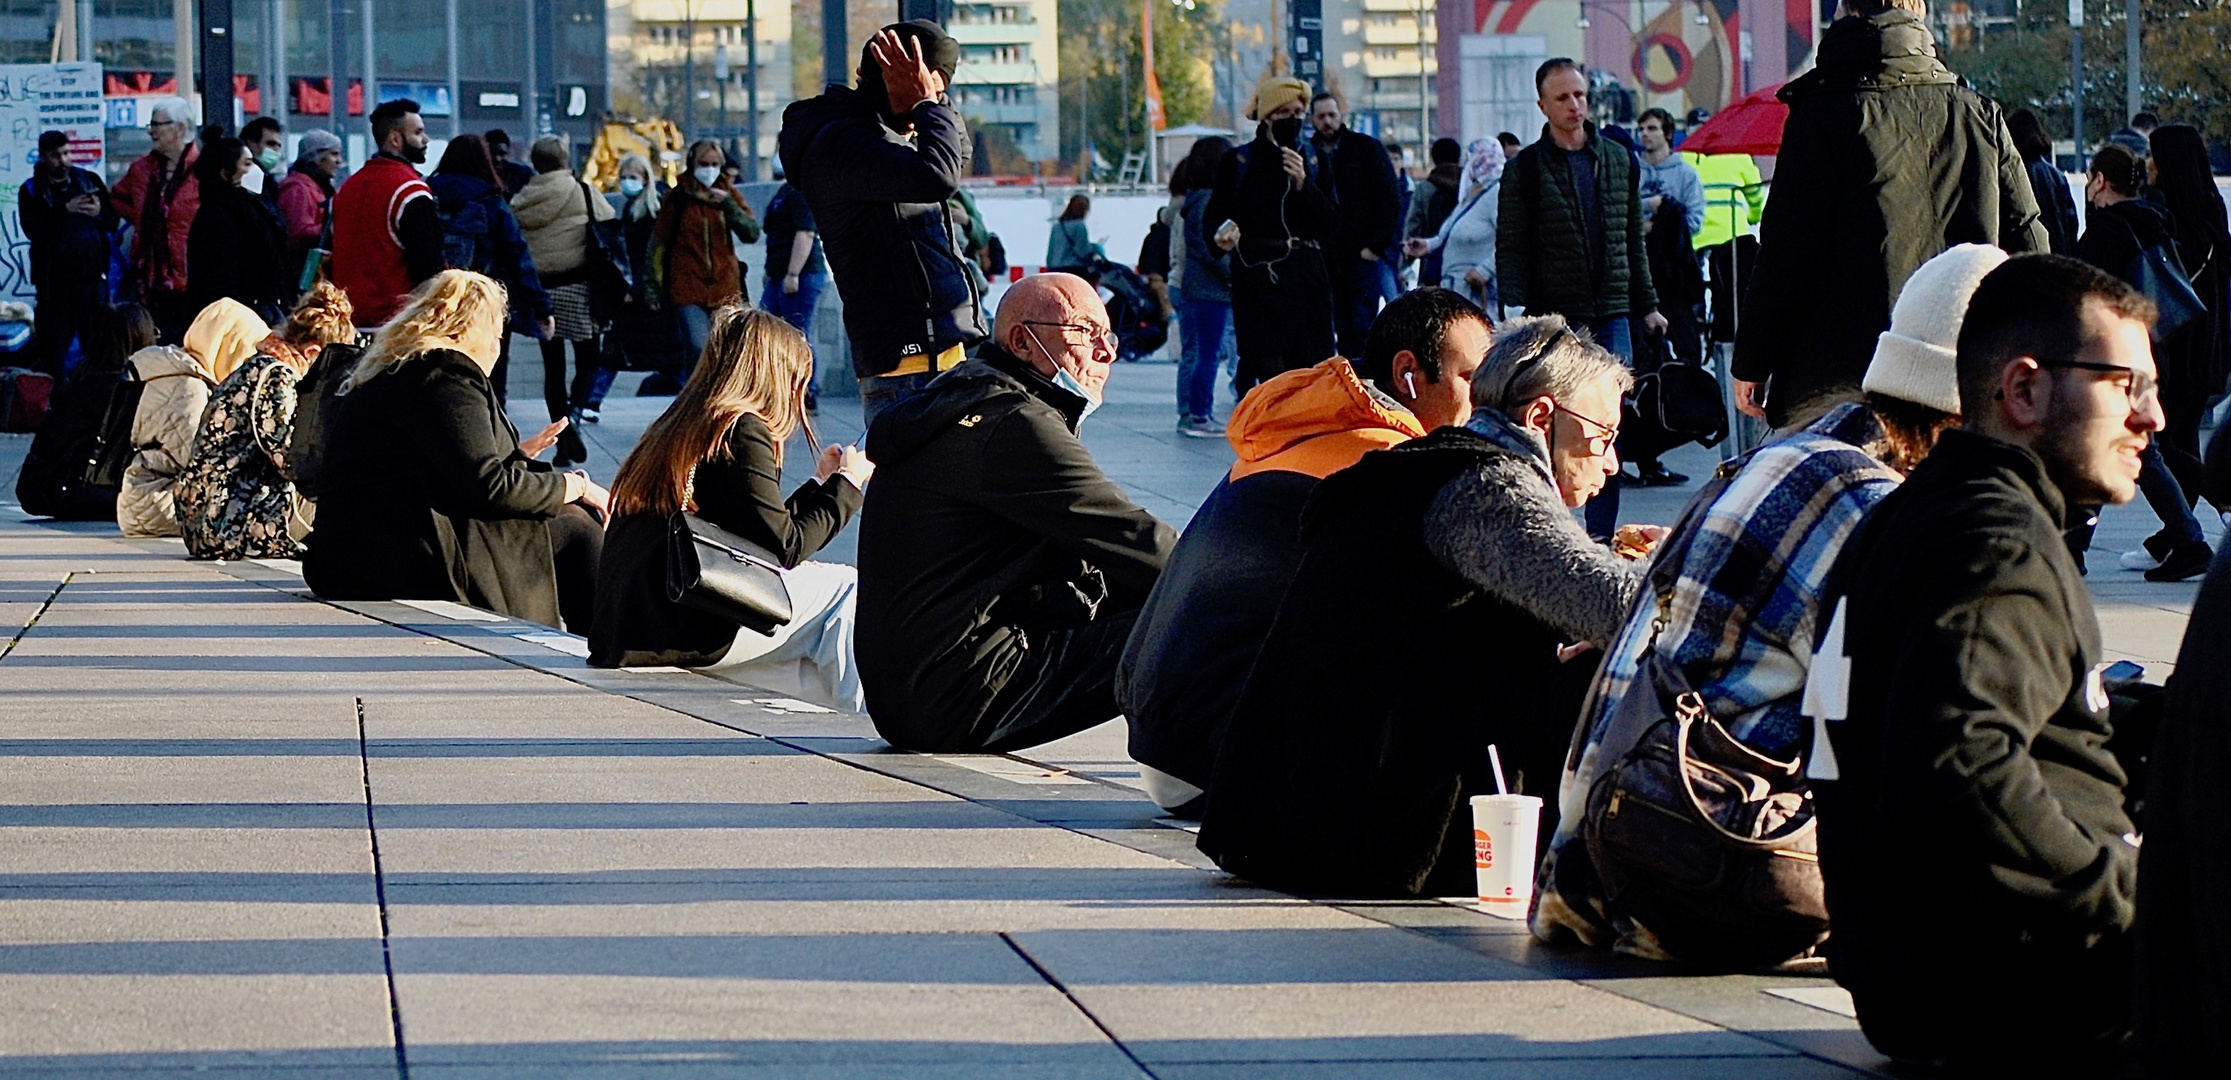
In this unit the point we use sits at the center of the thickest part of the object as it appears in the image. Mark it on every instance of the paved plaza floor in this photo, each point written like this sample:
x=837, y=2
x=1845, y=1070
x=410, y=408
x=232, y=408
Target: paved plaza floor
x=246, y=832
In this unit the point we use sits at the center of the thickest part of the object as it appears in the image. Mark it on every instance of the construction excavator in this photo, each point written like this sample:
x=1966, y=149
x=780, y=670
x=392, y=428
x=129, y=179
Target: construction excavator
x=657, y=139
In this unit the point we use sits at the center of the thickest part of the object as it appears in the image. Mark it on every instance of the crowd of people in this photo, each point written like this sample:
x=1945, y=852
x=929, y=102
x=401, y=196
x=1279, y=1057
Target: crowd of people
x=1862, y=666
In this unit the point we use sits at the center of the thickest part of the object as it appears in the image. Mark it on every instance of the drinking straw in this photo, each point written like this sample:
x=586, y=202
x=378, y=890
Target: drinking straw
x=1496, y=760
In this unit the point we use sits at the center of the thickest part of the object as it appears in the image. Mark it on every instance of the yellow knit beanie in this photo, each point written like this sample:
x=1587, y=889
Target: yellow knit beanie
x=1274, y=92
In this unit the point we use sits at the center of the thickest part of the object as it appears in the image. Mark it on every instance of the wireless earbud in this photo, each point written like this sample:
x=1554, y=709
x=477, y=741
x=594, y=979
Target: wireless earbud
x=1410, y=381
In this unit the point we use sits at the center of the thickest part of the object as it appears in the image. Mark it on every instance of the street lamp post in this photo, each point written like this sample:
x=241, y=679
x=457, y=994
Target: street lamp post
x=720, y=75
x=2076, y=76
x=751, y=83
x=689, y=70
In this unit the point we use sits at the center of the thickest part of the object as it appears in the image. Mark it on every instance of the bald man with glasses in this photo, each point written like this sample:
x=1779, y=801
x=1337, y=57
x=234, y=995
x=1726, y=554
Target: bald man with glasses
x=1000, y=570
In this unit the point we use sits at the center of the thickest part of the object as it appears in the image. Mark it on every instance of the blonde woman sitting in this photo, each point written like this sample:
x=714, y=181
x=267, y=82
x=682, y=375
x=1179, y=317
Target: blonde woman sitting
x=427, y=492
x=717, y=451
x=170, y=407
x=235, y=499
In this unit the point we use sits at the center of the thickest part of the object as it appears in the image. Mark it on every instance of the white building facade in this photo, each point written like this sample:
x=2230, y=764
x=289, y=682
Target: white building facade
x=1010, y=71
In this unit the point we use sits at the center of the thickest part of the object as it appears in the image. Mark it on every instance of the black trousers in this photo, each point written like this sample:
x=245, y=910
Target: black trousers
x=1281, y=315
x=1730, y=265
x=1355, y=297
x=1066, y=684
x=65, y=310
x=576, y=545
x=586, y=361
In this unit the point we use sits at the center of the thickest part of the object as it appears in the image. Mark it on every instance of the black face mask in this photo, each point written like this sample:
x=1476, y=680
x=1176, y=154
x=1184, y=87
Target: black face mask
x=1286, y=132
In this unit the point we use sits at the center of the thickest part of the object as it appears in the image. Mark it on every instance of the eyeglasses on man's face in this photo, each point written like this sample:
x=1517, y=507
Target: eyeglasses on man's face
x=2140, y=387
x=1597, y=437
x=1103, y=342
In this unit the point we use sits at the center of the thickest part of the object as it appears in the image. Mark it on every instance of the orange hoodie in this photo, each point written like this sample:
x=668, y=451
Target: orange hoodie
x=1315, y=421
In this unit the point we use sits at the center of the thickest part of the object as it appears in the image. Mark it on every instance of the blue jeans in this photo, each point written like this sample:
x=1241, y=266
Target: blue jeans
x=881, y=392
x=697, y=325
x=1201, y=326
x=795, y=308
x=1614, y=333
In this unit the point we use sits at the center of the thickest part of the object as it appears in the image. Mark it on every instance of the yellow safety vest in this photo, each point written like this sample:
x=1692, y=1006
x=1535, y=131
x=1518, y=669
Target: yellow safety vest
x=1731, y=183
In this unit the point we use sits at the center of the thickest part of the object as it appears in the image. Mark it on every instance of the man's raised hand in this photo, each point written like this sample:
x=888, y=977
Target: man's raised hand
x=907, y=77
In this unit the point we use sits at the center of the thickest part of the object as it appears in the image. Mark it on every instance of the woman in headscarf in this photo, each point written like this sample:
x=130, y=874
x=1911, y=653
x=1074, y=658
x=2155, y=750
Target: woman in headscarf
x=1466, y=242
x=170, y=407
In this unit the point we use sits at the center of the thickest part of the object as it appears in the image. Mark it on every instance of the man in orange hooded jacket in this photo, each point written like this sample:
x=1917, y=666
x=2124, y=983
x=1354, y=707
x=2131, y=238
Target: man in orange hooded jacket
x=1190, y=651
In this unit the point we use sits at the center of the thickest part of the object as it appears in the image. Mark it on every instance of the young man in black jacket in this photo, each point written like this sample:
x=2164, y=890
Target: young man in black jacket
x=876, y=165
x=1980, y=867
x=71, y=226
x=1368, y=220
x=1000, y=570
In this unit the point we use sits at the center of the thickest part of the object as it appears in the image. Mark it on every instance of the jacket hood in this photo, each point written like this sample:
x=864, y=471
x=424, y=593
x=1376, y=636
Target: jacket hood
x=804, y=120
x=224, y=334
x=1889, y=48
x=1315, y=420
x=1963, y=449
x=157, y=360
x=974, y=387
x=544, y=199
x=1505, y=432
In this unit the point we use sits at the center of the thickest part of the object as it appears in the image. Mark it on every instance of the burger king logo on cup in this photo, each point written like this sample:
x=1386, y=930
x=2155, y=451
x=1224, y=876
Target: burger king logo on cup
x=1483, y=850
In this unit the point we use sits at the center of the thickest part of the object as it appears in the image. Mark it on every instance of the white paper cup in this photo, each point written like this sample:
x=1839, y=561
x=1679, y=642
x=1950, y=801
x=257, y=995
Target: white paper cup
x=1503, y=831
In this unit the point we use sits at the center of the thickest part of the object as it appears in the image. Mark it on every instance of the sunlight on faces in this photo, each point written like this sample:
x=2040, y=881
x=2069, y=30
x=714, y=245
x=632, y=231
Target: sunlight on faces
x=2098, y=431
x=1447, y=401
x=1582, y=432
x=1057, y=321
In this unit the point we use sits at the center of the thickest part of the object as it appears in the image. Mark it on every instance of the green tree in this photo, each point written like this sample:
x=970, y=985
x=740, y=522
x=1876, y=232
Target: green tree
x=2182, y=74
x=1103, y=91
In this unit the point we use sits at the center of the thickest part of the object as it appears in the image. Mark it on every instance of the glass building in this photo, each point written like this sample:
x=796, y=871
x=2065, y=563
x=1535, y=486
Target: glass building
x=526, y=66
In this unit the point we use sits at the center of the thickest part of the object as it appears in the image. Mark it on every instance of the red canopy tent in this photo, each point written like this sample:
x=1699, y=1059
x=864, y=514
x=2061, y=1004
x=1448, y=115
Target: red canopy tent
x=1751, y=125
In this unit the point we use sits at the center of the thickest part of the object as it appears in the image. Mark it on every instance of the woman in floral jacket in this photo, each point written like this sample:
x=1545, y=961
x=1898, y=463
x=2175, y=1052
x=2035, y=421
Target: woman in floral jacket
x=235, y=498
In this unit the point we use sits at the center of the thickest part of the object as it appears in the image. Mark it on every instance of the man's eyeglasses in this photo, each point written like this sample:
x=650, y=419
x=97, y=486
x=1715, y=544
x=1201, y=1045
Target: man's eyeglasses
x=157, y=125
x=1103, y=342
x=1597, y=436
x=2141, y=388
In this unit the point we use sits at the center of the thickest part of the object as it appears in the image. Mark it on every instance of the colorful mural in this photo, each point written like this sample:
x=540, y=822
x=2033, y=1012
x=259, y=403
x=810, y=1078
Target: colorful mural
x=1675, y=54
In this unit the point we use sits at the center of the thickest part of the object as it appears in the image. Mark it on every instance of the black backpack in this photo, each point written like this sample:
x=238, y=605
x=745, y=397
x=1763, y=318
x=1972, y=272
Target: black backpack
x=317, y=394
x=112, y=447
x=57, y=472
x=465, y=230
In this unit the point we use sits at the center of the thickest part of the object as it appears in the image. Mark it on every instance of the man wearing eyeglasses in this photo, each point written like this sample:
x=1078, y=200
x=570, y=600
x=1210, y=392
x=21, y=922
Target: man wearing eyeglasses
x=1352, y=751
x=1981, y=869
x=1000, y=570
x=159, y=196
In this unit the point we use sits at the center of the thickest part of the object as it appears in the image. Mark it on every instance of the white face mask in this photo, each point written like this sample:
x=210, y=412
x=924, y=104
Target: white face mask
x=252, y=180
x=707, y=175
x=630, y=186
x=1066, y=381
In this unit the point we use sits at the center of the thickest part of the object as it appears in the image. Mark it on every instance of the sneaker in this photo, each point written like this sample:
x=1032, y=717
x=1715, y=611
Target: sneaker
x=590, y=416
x=2140, y=559
x=1200, y=427
x=2185, y=561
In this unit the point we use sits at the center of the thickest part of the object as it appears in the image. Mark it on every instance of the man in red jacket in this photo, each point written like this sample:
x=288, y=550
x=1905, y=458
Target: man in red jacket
x=387, y=236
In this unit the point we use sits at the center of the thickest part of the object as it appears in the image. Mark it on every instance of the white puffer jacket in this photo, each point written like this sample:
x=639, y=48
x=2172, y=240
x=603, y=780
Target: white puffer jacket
x=178, y=384
x=163, y=430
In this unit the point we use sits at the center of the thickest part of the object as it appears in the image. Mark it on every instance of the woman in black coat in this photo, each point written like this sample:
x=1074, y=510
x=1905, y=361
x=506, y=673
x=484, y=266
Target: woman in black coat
x=427, y=493
x=2121, y=228
x=238, y=245
x=717, y=452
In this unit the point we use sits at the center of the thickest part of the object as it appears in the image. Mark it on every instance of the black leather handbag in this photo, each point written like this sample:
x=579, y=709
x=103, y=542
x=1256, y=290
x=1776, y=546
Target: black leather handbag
x=603, y=261
x=712, y=570
x=2157, y=273
x=1707, y=843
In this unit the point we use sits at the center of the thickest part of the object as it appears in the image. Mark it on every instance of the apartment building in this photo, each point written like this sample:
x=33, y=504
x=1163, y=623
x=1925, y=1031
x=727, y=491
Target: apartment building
x=1010, y=71
x=1380, y=57
x=664, y=56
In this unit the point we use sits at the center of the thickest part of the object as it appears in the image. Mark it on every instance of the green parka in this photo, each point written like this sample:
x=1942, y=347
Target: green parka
x=1887, y=159
x=1547, y=260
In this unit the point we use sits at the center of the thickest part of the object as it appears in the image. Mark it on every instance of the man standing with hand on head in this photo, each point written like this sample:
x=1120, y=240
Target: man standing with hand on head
x=1980, y=867
x=876, y=164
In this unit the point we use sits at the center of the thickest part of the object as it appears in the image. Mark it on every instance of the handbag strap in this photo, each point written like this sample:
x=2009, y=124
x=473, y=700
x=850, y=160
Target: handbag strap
x=1687, y=711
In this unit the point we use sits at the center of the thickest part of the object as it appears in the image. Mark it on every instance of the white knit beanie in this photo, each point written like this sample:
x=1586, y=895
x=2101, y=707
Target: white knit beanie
x=1915, y=359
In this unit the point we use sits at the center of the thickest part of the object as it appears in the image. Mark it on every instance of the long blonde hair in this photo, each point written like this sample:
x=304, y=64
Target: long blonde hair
x=449, y=309
x=753, y=363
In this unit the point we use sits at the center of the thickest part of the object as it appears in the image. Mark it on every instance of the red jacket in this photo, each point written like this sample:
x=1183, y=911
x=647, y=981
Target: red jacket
x=302, y=205
x=159, y=270
x=368, y=254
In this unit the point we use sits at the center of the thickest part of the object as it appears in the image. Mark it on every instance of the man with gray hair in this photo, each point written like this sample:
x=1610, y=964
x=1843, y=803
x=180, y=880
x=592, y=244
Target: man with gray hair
x=1352, y=752
x=159, y=196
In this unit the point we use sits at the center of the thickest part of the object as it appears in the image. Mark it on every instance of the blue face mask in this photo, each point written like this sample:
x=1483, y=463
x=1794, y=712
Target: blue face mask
x=1066, y=381
x=631, y=187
